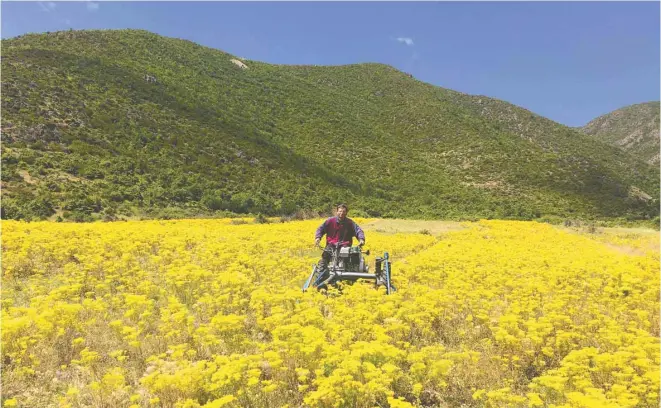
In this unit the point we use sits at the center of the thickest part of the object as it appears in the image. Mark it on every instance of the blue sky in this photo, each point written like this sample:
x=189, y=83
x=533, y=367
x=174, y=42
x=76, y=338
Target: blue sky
x=568, y=61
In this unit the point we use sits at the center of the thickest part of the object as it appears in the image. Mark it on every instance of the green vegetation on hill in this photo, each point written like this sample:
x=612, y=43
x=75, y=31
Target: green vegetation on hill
x=108, y=123
x=634, y=128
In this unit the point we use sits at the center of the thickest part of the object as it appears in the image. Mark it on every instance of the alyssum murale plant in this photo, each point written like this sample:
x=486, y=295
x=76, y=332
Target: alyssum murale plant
x=208, y=313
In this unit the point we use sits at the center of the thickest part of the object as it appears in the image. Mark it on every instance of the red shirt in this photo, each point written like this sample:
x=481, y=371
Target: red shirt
x=337, y=232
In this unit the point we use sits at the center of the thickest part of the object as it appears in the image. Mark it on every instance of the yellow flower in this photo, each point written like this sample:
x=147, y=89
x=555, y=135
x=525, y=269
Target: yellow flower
x=534, y=400
x=168, y=311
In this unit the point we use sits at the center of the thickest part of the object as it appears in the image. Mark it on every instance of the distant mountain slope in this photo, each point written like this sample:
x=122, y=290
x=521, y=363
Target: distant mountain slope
x=634, y=128
x=129, y=122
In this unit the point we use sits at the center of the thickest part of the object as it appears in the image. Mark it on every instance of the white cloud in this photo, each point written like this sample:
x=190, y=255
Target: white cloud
x=405, y=40
x=47, y=6
x=91, y=6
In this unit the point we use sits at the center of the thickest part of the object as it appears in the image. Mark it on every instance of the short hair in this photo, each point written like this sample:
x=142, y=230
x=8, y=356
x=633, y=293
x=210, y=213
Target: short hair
x=342, y=206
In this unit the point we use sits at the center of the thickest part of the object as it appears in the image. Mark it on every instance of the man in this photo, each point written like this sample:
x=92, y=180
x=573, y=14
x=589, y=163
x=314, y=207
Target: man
x=339, y=231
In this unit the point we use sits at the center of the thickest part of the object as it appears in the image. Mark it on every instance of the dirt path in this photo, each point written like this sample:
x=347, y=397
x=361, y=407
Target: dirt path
x=616, y=238
x=26, y=177
x=412, y=226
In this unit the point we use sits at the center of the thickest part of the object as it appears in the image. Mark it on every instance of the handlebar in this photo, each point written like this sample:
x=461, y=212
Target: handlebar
x=332, y=249
x=335, y=246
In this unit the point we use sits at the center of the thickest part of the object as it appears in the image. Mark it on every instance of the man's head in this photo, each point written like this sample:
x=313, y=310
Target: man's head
x=342, y=211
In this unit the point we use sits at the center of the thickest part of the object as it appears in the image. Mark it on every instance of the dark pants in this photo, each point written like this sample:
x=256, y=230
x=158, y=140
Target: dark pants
x=325, y=258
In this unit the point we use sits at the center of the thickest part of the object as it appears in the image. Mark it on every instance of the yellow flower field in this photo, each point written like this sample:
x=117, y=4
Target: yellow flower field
x=210, y=313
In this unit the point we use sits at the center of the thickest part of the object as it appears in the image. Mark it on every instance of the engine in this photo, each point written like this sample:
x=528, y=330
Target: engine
x=351, y=260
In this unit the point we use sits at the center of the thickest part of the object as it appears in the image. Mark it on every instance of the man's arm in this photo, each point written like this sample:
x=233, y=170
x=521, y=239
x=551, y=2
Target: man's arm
x=320, y=232
x=358, y=232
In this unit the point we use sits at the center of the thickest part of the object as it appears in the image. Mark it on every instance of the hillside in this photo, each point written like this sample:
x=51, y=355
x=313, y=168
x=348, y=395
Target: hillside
x=107, y=123
x=634, y=128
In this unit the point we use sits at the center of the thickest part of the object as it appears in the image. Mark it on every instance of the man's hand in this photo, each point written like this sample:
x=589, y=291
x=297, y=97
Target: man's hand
x=361, y=242
x=316, y=242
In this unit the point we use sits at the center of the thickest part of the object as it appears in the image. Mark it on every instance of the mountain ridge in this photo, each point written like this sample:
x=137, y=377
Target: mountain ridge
x=132, y=121
x=633, y=128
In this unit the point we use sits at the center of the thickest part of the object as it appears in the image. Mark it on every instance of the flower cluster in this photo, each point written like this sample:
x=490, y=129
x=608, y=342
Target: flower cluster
x=210, y=313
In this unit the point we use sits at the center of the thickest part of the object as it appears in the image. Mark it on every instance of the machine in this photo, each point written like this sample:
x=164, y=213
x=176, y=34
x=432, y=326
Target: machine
x=348, y=264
